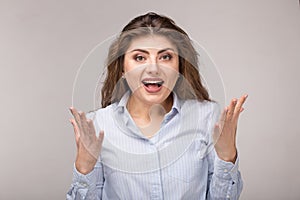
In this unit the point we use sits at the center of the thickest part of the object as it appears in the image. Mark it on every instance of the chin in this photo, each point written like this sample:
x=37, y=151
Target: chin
x=154, y=98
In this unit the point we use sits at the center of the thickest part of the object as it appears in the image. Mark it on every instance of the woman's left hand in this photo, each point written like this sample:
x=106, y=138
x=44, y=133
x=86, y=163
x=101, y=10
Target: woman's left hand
x=225, y=131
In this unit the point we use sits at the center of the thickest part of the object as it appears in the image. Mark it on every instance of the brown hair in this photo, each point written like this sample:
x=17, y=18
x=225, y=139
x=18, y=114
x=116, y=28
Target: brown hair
x=152, y=23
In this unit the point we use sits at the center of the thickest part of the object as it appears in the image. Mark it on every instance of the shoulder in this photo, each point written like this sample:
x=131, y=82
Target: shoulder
x=100, y=112
x=205, y=106
x=101, y=117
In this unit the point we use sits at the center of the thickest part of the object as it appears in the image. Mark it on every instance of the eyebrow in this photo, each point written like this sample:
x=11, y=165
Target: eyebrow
x=147, y=52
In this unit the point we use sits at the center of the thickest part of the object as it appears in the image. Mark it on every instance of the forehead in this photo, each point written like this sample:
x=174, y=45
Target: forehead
x=151, y=42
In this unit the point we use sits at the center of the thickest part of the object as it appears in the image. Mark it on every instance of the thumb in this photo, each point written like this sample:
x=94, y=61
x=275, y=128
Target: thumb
x=101, y=136
x=76, y=130
x=216, y=133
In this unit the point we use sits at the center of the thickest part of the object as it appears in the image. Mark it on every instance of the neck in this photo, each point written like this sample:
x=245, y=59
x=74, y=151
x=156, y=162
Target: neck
x=140, y=111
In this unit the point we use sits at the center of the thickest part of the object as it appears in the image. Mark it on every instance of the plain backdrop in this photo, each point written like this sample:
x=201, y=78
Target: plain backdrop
x=254, y=43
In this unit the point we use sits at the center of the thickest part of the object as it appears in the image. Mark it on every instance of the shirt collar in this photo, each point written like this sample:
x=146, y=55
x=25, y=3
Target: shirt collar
x=176, y=103
x=122, y=103
x=175, y=107
x=124, y=121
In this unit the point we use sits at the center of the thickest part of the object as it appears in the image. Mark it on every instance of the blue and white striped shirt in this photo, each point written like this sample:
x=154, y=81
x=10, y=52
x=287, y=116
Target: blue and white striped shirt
x=178, y=162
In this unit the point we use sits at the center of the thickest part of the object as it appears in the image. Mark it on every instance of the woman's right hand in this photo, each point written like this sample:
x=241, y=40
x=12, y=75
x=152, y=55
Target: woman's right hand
x=88, y=144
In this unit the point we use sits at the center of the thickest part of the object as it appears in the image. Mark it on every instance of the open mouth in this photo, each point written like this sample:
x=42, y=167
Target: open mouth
x=152, y=85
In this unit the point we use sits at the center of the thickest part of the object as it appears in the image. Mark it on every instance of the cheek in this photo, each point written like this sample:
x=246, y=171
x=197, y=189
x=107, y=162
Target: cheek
x=133, y=77
x=175, y=65
x=126, y=65
x=129, y=65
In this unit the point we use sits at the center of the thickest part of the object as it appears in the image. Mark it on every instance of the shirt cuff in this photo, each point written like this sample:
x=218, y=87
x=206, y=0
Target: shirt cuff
x=226, y=170
x=84, y=180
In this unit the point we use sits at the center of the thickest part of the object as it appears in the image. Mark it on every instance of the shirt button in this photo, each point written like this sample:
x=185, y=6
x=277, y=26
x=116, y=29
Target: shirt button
x=228, y=197
x=225, y=170
x=83, y=184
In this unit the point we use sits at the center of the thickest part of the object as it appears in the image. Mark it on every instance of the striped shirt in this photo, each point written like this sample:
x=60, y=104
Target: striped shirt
x=178, y=162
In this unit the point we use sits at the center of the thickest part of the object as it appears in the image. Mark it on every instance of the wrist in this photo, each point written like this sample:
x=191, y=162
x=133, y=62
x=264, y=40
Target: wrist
x=228, y=157
x=84, y=166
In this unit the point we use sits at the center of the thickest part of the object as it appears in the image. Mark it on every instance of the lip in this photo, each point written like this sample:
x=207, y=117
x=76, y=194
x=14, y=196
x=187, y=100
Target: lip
x=152, y=85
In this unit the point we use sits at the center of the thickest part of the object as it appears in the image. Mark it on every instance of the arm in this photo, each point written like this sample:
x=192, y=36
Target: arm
x=224, y=179
x=88, y=172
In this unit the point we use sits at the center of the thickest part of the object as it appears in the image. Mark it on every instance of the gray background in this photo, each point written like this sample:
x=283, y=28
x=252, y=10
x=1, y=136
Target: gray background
x=255, y=44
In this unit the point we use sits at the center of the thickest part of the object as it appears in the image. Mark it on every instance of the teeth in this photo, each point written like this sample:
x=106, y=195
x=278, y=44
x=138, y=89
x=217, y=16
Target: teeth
x=153, y=82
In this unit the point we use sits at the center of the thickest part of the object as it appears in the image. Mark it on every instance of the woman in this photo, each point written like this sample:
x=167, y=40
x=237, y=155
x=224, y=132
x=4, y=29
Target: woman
x=158, y=122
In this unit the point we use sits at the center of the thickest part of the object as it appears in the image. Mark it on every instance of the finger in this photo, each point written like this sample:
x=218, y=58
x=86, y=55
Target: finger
x=99, y=141
x=231, y=109
x=216, y=133
x=91, y=127
x=223, y=115
x=84, y=123
x=222, y=118
x=101, y=136
x=76, y=116
x=239, y=105
x=76, y=130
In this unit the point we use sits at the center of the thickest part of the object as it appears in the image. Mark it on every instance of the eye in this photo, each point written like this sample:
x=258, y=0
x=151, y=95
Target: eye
x=139, y=58
x=166, y=57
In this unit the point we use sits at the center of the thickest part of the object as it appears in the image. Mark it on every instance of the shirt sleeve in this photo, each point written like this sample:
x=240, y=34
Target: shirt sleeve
x=224, y=178
x=87, y=186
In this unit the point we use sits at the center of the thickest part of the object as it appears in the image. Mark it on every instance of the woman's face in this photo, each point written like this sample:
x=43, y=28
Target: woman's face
x=151, y=68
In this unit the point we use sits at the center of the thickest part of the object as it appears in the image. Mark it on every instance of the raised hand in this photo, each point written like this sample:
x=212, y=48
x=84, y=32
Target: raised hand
x=225, y=130
x=88, y=144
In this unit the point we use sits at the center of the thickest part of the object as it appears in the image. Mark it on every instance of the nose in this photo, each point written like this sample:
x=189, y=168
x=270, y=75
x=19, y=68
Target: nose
x=152, y=67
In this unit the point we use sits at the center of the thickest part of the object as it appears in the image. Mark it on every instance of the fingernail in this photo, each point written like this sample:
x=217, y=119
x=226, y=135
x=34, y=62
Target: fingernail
x=246, y=95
